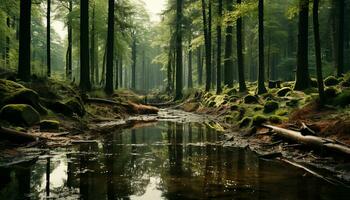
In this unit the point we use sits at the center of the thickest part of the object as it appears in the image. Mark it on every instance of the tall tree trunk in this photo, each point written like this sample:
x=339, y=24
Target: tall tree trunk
x=200, y=66
x=340, y=45
x=116, y=73
x=241, y=79
x=70, y=43
x=110, y=48
x=133, y=68
x=261, y=70
x=48, y=38
x=143, y=69
x=169, y=88
x=228, y=61
x=179, y=74
x=24, y=40
x=318, y=52
x=121, y=72
x=93, y=44
x=190, y=80
x=7, y=48
x=218, y=64
x=302, y=81
x=85, y=84
x=207, y=39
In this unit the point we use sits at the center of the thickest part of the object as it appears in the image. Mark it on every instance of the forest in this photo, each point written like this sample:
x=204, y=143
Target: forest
x=174, y=99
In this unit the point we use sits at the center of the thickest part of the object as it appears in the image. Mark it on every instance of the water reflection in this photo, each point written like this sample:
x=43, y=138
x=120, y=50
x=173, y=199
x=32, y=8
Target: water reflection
x=166, y=161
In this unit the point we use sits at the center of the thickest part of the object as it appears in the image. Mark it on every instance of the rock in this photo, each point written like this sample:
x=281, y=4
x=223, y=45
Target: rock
x=14, y=93
x=314, y=83
x=283, y=91
x=250, y=99
x=331, y=81
x=292, y=103
x=258, y=120
x=331, y=92
x=270, y=106
x=76, y=105
x=245, y=122
x=20, y=114
x=49, y=125
x=343, y=99
x=68, y=108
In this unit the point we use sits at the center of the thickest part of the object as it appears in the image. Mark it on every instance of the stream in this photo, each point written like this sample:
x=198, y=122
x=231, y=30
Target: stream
x=165, y=160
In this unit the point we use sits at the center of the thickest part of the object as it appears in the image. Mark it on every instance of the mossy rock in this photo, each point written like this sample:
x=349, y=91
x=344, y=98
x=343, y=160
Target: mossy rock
x=231, y=92
x=68, y=108
x=292, y=103
x=343, y=99
x=282, y=112
x=20, y=114
x=270, y=106
x=245, y=122
x=14, y=93
x=331, y=92
x=259, y=119
x=345, y=83
x=331, y=81
x=314, y=83
x=258, y=108
x=275, y=119
x=76, y=105
x=283, y=91
x=49, y=125
x=234, y=108
x=250, y=99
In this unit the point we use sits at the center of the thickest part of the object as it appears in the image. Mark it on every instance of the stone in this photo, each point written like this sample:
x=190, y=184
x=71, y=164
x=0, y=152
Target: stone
x=270, y=106
x=331, y=81
x=49, y=125
x=20, y=114
x=250, y=99
x=283, y=91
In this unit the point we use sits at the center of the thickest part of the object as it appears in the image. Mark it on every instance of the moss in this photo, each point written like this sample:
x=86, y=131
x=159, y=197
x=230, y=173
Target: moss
x=270, y=106
x=283, y=91
x=245, y=122
x=49, y=125
x=250, y=99
x=276, y=119
x=75, y=104
x=20, y=114
x=259, y=119
x=343, y=99
x=331, y=81
x=282, y=112
x=258, y=108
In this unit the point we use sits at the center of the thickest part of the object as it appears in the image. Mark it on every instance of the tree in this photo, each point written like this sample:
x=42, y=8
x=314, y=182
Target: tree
x=318, y=52
x=207, y=38
x=302, y=81
x=133, y=67
x=218, y=30
x=179, y=74
x=338, y=36
x=110, y=49
x=190, y=79
x=85, y=84
x=69, y=61
x=228, y=61
x=24, y=71
x=261, y=75
x=48, y=38
x=241, y=79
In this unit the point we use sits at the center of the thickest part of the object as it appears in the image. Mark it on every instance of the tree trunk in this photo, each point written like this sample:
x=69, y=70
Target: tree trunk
x=116, y=73
x=228, y=61
x=70, y=43
x=143, y=69
x=302, y=81
x=340, y=45
x=93, y=44
x=48, y=38
x=261, y=71
x=190, y=80
x=207, y=39
x=318, y=52
x=200, y=66
x=7, y=48
x=24, y=68
x=241, y=79
x=110, y=48
x=85, y=84
x=179, y=74
x=121, y=72
x=218, y=64
x=133, y=68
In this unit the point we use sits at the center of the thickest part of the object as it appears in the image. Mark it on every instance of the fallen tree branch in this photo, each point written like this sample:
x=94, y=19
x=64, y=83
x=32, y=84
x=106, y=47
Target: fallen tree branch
x=310, y=140
x=17, y=136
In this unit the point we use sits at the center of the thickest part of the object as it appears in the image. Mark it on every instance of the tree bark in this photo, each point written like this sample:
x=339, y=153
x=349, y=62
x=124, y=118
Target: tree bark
x=93, y=44
x=302, y=81
x=318, y=52
x=207, y=39
x=261, y=71
x=190, y=80
x=179, y=74
x=218, y=64
x=228, y=61
x=133, y=68
x=85, y=84
x=24, y=68
x=110, y=48
x=70, y=43
x=48, y=38
x=240, y=58
x=200, y=66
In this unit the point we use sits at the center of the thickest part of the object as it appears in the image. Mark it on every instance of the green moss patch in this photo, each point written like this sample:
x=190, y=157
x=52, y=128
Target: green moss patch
x=20, y=114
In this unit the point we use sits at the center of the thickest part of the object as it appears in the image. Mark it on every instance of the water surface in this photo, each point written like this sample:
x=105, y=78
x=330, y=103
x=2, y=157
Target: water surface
x=165, y=161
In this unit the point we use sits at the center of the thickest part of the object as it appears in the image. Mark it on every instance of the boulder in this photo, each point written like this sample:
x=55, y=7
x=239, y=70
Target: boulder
x=270, y=106
x=314, y=83
x=259, y=119
x=49, y=125
x=20, y=114
x=331, y=92
x=250, y=99
x=245, y=122
x=68, y=108
x=283, y=91
x=331, y=81
x=14, y=93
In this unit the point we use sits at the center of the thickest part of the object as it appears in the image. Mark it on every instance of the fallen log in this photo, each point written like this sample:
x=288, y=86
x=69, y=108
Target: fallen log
x=17, y=136
x=310, y=140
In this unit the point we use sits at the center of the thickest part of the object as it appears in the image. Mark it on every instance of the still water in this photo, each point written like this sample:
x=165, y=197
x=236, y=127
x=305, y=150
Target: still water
x=164, y=161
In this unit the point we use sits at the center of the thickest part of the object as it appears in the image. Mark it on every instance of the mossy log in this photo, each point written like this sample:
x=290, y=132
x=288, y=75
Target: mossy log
x=310, y=140
x=17, y=136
